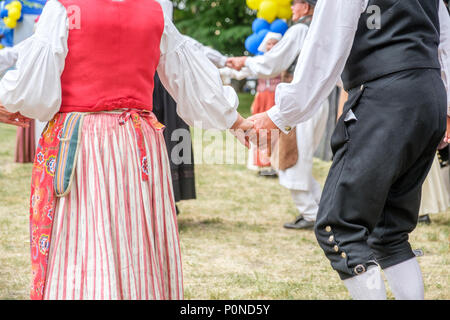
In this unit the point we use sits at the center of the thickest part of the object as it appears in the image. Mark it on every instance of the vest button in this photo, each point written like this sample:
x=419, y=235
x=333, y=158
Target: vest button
x=328, y=229
x=288, y=128
x=331, y=239
x=343, y=255
x=336, y=248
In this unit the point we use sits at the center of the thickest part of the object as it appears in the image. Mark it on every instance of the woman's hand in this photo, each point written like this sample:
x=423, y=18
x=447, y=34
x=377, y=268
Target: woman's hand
x=14, y=118
x=240, y=130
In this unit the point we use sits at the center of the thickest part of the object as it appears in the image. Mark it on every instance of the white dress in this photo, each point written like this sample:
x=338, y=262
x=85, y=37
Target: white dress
x=435, y=191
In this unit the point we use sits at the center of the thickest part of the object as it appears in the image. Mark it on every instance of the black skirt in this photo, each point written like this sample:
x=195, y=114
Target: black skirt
x=183, y=177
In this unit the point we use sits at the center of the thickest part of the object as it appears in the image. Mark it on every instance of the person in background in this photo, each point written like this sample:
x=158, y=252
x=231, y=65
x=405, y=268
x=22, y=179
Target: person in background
x=297, y=148
x=435, y=193
x=259, y=158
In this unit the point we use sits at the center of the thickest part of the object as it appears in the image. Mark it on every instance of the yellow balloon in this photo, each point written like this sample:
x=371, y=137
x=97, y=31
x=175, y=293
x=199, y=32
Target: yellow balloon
x=284, y=13
x=284, y=3
x=253, y=4
x=268, y=10
x=14, y=13
x=10, y=23
x=17, y=4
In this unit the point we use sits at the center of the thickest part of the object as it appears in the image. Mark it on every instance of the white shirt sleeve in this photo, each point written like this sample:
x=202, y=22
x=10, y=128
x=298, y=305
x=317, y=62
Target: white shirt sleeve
x=321, y=62
x=444, y=50
x=167, y=7
x=281, y=56
x=218, y=59
x=34, y=87
x=8, y=58
x=195, y=83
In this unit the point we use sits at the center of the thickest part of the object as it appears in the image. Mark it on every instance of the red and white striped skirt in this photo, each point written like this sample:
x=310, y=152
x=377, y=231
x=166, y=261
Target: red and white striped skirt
x=114, y=235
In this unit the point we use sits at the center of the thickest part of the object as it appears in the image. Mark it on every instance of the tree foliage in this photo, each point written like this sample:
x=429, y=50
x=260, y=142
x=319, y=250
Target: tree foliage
x=221, y=24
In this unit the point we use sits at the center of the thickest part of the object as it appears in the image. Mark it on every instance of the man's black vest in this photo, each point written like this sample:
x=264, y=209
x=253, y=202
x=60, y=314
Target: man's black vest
x=406, y=37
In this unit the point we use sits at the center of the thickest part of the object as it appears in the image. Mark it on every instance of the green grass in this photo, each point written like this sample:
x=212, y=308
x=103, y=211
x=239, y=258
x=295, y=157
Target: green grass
x=233, y=242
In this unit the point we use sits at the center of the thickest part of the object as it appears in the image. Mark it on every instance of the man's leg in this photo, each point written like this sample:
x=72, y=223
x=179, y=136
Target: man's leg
x=386, y=127
x=389, y=239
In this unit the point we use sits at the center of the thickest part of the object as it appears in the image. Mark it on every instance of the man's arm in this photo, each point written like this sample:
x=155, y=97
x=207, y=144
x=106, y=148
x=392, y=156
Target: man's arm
x=321, y=62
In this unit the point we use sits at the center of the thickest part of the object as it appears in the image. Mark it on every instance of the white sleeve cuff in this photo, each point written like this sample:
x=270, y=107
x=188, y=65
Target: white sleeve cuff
x=275, y=115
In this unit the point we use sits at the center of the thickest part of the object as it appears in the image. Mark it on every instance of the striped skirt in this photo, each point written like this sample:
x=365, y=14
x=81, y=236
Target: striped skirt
x=114, y=235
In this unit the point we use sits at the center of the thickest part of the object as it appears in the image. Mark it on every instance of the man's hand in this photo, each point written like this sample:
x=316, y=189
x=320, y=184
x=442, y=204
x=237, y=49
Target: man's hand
x=446, y=139
x=13, y=118
x=240, y=130
x=236, y=63
x=447, y=134
x=264, y=128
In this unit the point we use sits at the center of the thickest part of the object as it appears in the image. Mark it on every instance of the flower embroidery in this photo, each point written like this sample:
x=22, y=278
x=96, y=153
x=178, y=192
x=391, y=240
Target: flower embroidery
x=145, y=165
x=43, y=244
x=51, y=165
x=40, y=158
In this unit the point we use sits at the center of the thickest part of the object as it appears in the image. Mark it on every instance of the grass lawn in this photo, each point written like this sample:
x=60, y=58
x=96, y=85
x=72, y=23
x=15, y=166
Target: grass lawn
x=233, y=242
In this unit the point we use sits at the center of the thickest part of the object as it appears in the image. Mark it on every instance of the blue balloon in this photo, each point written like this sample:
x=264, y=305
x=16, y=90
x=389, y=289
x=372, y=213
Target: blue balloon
x=260, y=24
x=261, y=35
x=279, y=26
x=252, y=44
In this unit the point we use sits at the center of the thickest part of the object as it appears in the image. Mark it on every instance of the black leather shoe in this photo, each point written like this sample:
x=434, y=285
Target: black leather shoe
x=300, y=223
x=425, y=219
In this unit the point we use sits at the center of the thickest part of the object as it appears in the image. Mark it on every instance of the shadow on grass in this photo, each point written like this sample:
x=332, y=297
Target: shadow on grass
x=217, y=224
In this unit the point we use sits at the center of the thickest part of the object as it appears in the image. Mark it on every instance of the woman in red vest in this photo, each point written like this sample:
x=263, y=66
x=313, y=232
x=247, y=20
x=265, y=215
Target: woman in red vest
x=103, y=223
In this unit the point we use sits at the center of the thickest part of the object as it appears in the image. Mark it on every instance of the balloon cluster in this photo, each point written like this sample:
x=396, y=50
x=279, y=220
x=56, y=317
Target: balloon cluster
x=270, y=10
x=260, y=29
x=11, y=14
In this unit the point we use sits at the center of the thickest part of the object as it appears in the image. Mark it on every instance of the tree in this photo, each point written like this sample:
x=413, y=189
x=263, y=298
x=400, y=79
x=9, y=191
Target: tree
x=221, y=24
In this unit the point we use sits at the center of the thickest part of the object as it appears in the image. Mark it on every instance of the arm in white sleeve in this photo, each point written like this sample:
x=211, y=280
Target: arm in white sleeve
x=281, y=56
x=218, y=59
x=321, y=62
x=34, y=87
x=195, y=83
x=8, y=58
x=444, y=50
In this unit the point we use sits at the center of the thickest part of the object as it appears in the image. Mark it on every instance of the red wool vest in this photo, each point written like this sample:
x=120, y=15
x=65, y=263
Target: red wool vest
x=114, y=49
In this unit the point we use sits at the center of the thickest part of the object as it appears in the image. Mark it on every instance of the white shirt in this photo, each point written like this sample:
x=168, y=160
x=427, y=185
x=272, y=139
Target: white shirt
x=218, y=59
x=281, y=56
x=323, y=57
x=167, y=7
x=8, y=57
x=34, y=87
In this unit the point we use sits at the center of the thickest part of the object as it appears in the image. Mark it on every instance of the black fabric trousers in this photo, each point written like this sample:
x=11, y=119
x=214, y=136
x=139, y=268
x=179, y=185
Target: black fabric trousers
x=371, y=200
